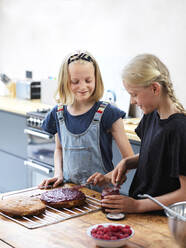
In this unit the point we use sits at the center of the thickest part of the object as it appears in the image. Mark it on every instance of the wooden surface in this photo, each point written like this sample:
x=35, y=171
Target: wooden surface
x=19, y=106
x=130, y=126
x=150, y=231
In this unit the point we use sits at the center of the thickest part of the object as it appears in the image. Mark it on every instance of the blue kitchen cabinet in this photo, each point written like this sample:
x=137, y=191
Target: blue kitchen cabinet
x=12, y=137
x=13, y=174
x=117, y=158
x=13, y=145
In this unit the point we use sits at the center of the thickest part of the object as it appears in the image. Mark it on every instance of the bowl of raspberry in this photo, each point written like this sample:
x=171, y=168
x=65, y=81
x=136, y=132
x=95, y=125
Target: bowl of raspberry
x=110, y=234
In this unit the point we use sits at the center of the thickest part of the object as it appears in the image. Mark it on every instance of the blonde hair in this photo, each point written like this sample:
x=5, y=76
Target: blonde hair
x=63, y=91
x=145, y=69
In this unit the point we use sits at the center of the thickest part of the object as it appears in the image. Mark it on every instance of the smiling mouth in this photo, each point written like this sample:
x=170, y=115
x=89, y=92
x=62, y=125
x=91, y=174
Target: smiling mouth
x=84, y=92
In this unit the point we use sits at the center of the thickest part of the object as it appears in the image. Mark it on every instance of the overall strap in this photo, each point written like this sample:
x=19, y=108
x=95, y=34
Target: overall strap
x=60, y=111
x=99, y=113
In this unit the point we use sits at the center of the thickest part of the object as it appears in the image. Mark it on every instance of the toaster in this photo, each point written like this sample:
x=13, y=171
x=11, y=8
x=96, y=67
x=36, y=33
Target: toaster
x=28, y=89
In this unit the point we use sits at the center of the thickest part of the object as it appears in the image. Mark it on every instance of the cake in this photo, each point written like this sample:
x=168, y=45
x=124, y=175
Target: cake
x=22, y=206
x=63, y=198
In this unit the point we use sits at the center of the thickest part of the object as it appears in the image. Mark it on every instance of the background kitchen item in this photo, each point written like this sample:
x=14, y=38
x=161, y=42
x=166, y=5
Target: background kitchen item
x=40, y=149
x=119, y=97
x=28, y=89
x=7, y=86
x=110, y=96
x=48, y=89
x=3, y=89
x=177, y=226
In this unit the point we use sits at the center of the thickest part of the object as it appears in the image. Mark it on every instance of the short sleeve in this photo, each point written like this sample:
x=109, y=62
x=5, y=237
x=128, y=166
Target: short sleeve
x=110, y=115
x=139, y=129
x=50, y=122
x=177, y=152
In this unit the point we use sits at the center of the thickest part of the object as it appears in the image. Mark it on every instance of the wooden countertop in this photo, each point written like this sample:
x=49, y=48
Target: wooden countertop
x=21, y=107
x=150, y=231
x=130, y=126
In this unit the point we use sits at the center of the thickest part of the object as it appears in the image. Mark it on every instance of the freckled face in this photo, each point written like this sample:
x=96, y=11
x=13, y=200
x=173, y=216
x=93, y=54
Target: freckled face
x=82, y=80
x=143, y=97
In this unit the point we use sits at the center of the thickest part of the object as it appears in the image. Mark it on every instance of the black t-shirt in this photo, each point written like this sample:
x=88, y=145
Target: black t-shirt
x=162, y=155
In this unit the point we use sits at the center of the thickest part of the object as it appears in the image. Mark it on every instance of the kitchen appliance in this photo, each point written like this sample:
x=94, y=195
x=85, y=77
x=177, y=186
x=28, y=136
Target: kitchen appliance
x=40, y=149
x=48, y=90
x=28, y=89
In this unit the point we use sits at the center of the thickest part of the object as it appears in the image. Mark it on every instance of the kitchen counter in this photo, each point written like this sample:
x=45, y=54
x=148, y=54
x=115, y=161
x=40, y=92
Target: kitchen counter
x=21, y=107
x=150, y=231
x=130, y=126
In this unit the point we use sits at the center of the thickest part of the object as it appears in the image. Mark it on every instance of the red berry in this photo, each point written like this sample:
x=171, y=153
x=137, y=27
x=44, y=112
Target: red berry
x=111, y=232
x=127, y=226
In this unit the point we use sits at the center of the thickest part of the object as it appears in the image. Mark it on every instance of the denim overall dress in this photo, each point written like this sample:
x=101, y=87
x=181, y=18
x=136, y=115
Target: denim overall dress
x=81, y=152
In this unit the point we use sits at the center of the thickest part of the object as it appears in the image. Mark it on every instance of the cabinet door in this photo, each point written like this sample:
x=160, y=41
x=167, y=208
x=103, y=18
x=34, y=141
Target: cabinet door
x=12, y=137
x=117, y=158
x=13, y=174
x=135, y=146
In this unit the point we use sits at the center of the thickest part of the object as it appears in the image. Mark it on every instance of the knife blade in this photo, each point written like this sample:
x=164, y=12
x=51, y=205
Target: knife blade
x=82, y=185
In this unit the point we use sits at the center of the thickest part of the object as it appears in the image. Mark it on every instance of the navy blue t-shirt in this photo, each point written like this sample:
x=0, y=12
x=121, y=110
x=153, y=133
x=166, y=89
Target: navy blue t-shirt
x=162, y=155
x=79, y=123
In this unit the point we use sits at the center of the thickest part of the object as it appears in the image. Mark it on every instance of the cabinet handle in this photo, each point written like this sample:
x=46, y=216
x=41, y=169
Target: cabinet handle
x=38, y=134
x=37, y=166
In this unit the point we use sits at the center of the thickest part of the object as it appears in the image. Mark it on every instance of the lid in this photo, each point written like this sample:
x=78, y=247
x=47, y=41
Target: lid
x=118, y=216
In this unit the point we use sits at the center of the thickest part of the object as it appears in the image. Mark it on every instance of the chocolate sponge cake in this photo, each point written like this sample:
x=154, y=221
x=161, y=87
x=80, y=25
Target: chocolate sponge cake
x=63, y=198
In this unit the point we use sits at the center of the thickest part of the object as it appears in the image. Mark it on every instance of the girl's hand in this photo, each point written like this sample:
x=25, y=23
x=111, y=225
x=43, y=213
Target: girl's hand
x=118, y=174
x=54, y=181
x=119, y=204
x=98, y=179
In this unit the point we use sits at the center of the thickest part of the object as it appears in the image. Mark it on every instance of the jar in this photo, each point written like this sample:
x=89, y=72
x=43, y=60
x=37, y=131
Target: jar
x=109, y=191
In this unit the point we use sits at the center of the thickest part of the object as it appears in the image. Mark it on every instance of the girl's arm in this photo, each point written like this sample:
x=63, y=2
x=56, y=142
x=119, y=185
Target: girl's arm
x=120, y=137
x=118, y=174
x=167, y=199
x=119, y=134
x=127, y=204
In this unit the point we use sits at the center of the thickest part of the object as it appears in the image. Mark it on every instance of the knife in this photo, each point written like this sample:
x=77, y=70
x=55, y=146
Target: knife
x=82, y=185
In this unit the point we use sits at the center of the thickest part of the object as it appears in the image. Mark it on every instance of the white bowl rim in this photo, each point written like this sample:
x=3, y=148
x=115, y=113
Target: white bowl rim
x=108, y=224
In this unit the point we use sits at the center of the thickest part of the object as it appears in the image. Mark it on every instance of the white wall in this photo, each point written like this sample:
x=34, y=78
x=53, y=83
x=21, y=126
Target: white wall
x=37, y=34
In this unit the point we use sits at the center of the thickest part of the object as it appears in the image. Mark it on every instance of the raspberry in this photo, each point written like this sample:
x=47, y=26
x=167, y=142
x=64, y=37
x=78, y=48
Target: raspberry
x=127, y=226
x=113, y=238
x=111, y=232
